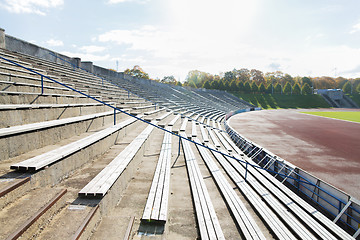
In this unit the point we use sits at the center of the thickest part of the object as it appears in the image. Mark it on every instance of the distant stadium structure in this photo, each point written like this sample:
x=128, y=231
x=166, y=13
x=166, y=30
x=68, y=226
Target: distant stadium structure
x=91, y=153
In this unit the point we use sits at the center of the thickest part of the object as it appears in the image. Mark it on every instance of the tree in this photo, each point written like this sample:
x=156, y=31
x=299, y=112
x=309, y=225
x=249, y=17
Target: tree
x=268, y=88
x=262, y=88
x=233, y=86
x=347, y=88
x=240, y=86
x=340, y=82
x=277, y=88
x=247, y=87
x=254, y=87
x=214, y=84
x=206, y=84
x=169, y=79
x=287, y=88
x=358, y=88
x=306, y=80
x=306, y=89
x=229, y=76
x=192, y=84
x=288, y=78
x=137, y=72
x=243, y=74
x=178, y=83
x=296, y=89
x=221, y=85
x=257, y=75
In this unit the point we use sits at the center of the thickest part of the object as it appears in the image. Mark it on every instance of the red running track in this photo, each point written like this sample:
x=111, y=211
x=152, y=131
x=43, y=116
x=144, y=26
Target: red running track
x=327, y=148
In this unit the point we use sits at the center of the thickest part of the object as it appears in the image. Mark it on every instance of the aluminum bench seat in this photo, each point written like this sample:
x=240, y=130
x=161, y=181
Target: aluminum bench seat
x=208, y=222
x=43, y=160
x=102, y=182
x=241, y=215
x=156, y=207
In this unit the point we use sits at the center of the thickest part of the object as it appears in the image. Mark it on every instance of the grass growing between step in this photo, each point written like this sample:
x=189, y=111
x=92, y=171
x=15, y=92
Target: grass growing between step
x=275, y=101
x=349, y=116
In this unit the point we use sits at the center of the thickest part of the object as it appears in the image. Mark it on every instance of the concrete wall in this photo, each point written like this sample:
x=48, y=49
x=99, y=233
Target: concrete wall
x=17, y=45
x=2, y=38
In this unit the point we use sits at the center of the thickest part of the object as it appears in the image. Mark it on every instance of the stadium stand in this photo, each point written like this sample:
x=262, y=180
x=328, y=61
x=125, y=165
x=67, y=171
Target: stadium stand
x=84, y=151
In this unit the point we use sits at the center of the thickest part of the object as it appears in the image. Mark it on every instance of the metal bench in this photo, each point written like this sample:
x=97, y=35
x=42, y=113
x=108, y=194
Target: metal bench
x=157, y=203
x=241, y=215
x=208, y=222
x=43, y=160
x=312, y=217
x=101, y=184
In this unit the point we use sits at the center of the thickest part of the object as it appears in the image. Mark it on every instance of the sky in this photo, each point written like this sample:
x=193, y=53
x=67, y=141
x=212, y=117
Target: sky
x=171, y=37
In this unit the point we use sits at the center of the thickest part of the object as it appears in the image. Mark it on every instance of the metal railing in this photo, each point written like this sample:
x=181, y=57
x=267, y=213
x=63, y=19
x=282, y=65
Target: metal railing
x=232, y=133
x=102, y=79
x=129, y=114
x=335, y=205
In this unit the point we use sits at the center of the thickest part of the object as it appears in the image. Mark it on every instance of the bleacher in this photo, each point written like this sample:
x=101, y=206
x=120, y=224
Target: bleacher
x=82, y=154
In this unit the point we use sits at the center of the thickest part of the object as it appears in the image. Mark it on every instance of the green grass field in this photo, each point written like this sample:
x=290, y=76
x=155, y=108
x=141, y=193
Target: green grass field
x=349, y=116
x=275, y=101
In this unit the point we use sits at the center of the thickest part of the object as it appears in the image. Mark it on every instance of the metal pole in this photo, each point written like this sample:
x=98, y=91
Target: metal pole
x=246, y=170
x=179, y=147
x=114, y=116
x=42, y=85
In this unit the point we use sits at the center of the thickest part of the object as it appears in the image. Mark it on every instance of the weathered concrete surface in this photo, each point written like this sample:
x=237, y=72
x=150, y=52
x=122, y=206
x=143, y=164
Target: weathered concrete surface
x=327, y=148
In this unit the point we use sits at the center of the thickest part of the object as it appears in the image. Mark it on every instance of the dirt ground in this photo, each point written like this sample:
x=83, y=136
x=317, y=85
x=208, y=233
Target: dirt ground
x=327, y=148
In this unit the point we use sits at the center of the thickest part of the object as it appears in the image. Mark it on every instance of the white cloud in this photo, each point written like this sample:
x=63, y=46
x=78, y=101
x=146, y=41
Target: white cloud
x=54, y=43
x=355, y=28
x=30, y=6
x=92, y=49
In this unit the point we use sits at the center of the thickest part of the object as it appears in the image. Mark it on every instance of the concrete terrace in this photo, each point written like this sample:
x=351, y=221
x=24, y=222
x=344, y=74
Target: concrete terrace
x=72, y=167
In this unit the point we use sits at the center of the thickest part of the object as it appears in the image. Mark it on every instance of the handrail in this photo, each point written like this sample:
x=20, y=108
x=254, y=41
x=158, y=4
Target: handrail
x=124, y=88
x=98, y=76
x=142, y=120
x=236, y=135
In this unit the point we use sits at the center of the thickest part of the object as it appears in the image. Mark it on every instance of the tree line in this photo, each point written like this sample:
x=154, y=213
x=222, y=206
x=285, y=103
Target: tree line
x=255, y=81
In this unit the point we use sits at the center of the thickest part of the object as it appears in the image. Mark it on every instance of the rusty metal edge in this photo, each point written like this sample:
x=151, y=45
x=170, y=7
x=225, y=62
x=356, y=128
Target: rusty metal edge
x=20, y=230
x=13, y=186
x=84, y=224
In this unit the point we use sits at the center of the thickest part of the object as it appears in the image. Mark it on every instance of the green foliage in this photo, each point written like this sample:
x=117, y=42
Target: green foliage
x=296, y=89
x=240, y=86
x=287, y=88
x=247, y=87
x=214, y=84
x=254, y=87
x=192, y=84
x=169, y=79
x=233, y=86
x=306, y=89
x=262, y=88
x=221, y=85
x=355, y=98
x=229, y=76
x=268, y=88
x=277, y=88
x=178, y=84
x=137, y=72
x=274, y=101
x=347, y=87
x=358, y=88
x=306, y=80
x=206, y=84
